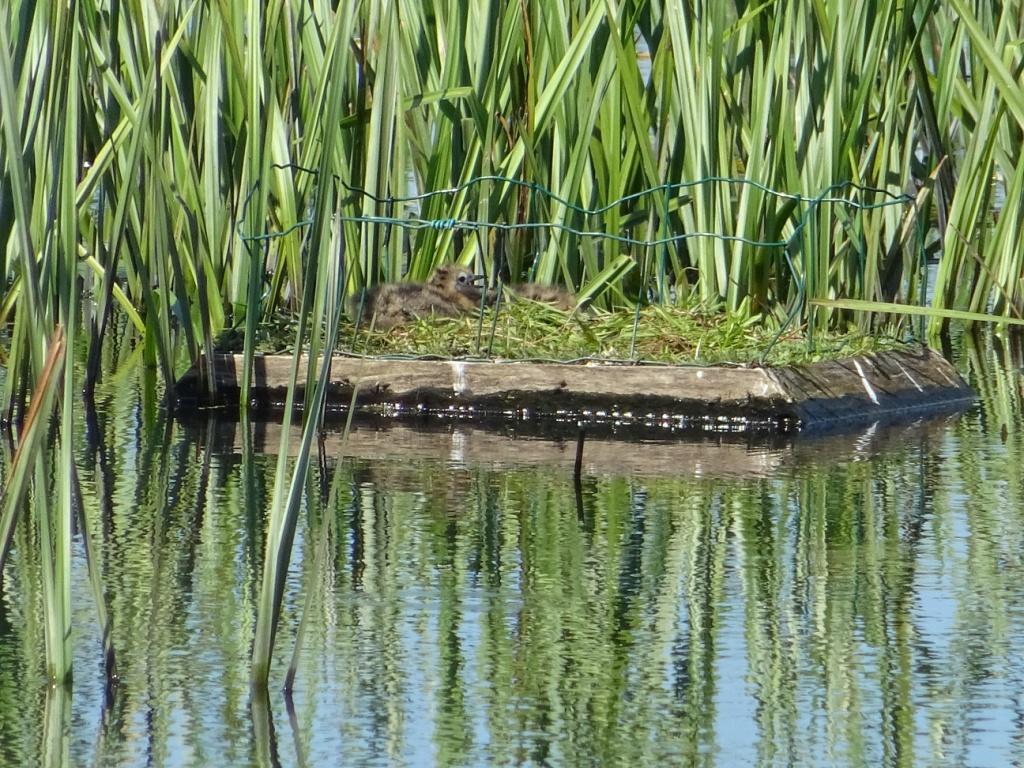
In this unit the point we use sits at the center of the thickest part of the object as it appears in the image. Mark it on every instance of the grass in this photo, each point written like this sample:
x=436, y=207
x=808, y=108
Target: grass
x=526, y=330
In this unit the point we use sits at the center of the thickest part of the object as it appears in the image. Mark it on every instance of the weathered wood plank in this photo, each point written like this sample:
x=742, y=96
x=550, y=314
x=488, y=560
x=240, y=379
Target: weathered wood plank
x=859, y=389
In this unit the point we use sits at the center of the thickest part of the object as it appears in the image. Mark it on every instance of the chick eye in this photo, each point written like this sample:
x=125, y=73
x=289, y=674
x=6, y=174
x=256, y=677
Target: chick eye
x=462, y=278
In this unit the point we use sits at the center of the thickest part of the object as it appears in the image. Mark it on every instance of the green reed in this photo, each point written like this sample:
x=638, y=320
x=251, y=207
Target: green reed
x=194, y=126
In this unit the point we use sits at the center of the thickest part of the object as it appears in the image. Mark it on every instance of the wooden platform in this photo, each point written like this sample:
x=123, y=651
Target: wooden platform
x=826, y=395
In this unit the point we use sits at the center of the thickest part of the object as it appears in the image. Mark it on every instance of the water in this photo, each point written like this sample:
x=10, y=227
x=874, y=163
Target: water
x=849, y=600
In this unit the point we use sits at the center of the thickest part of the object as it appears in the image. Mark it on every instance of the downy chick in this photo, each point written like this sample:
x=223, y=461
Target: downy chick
x=451, y=291
x=548, y=294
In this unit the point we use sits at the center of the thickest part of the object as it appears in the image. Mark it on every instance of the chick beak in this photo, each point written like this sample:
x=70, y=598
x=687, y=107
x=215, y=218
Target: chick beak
x=478, y=280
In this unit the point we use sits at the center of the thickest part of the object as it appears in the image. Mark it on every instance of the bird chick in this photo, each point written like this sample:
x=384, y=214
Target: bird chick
x=548, y=294
x=451, y=291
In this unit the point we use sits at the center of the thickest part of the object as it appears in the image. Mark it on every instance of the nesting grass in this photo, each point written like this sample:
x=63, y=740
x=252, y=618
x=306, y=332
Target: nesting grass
x=525, y=330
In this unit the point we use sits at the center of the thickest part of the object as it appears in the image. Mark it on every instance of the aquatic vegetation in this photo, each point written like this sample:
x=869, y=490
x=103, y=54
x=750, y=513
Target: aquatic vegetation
x=825, y=155
x=522, y=331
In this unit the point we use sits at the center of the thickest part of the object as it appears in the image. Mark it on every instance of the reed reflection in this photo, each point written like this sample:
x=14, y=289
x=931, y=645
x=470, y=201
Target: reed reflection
x=466, y=599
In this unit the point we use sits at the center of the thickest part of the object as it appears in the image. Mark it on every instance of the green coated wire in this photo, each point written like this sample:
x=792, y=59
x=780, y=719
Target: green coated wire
x=808, y=207
x=825, y=196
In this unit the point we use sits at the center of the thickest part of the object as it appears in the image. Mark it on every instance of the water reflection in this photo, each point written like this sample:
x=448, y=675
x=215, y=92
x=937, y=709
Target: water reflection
x=844, y=600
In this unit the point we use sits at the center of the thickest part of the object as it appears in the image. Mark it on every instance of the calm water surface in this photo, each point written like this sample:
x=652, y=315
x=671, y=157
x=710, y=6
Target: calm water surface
x=851, y=600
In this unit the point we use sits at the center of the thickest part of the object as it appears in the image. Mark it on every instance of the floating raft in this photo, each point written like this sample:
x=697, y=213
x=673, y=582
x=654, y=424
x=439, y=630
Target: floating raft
x=834, y=394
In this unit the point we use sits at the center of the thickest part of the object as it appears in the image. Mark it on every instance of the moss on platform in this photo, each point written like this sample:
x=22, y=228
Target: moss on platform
x=530, y=331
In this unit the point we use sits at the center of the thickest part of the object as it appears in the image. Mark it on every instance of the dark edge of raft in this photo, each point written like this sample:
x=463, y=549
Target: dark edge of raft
x=828, y=395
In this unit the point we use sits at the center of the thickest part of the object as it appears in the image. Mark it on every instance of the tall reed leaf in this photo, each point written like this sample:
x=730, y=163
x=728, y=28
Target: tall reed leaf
x=326, y=294
x=31, y=440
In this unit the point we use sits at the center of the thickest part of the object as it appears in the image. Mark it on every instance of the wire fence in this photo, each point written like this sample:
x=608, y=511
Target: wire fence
x=657, y=211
